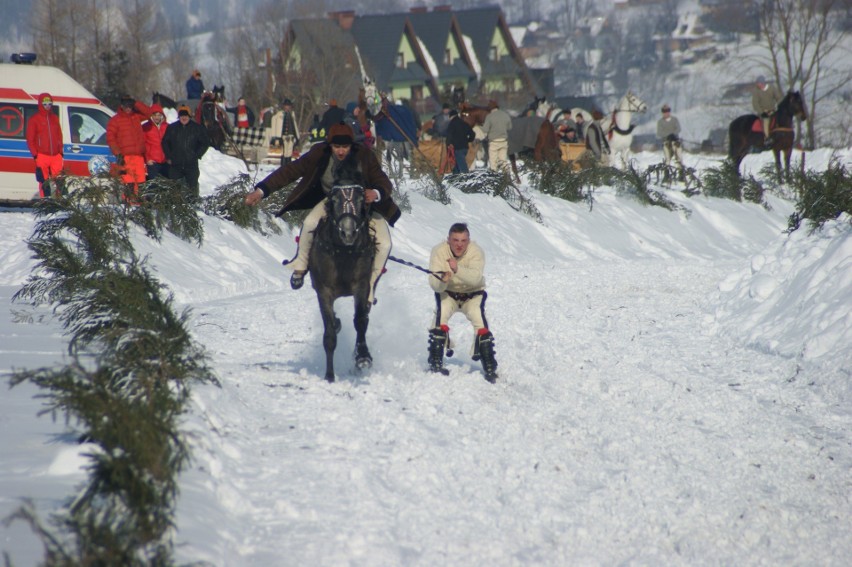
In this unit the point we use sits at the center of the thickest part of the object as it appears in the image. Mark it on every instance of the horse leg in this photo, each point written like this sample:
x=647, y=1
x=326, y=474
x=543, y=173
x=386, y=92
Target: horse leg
x=363, y=359
x=329, y=336
x=514, y=162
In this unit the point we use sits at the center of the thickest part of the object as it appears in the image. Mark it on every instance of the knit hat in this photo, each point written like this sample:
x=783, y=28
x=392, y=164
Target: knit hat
x=341, y=134
x=666, y=108
x=126, y=99
x=760, y=79
x=445, y=105
x=332, y=102
x=156, y=107
x=184, y=110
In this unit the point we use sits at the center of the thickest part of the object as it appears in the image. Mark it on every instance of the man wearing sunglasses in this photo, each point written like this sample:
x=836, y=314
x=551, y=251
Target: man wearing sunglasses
x=44, y=139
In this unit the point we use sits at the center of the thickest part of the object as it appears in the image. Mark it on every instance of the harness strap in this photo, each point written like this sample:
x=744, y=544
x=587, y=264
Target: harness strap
x=462, y=297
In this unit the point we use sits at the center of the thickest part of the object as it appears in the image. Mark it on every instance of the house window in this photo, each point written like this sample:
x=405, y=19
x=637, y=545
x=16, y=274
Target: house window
x=493, y=55
x=448, y=57
x=400, y=60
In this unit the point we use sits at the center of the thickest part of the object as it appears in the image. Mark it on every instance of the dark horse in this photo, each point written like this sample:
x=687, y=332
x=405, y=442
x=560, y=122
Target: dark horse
x=163, y=100
x=340, y=264
x=746, y=132
x=210, y=114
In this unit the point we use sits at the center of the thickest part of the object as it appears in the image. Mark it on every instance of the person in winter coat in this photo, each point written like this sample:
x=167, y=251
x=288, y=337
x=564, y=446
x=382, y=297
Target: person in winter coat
x=126, y=140
x=441, y=121
x=44, y=140
x=316, y=171
x=184, y=143
x=194, y=86
x=597, y=147
x=243, y=115
x=333, y=115
x=154, y=130
x=460, y=287
x=764, y=100
x=284, y=123
x=668, y=130
x=496, y=127
x=459, y=137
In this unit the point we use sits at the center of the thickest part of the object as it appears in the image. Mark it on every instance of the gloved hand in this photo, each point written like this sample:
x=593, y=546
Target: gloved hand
x=672, y=138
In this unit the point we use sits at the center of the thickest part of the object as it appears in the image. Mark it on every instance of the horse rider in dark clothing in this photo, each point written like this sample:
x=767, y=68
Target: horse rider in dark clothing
x=316, y=172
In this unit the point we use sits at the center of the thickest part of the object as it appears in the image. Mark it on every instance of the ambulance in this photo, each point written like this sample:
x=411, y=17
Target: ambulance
x=82, y=116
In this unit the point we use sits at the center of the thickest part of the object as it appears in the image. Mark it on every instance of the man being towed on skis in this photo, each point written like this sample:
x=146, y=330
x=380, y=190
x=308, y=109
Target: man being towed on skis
x=316, y=171
x=461, y=287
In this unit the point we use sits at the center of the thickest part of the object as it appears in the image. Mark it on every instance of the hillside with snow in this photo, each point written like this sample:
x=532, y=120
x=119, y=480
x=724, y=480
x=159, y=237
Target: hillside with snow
x=674, y=390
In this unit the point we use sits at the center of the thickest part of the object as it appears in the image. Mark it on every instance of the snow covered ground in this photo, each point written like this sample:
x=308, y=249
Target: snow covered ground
x=674, y=390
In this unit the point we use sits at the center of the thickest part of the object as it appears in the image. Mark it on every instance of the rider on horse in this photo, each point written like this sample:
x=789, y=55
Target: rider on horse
x=316, y=171
x=764, y=99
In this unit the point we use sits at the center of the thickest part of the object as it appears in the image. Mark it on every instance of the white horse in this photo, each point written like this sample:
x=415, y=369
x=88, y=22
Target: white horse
x=548, y=109
x=618, y=128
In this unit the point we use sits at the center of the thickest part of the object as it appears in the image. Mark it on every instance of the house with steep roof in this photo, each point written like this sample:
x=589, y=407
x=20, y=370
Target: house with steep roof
x=500, y=68
x=421, y=56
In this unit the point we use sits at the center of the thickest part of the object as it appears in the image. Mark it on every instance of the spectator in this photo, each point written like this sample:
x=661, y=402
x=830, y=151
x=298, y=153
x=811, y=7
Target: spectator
x=126, y=140
x=184, y=143
x=76, y=126
x=333, y=115
x=154, y=130
x=194, y=86
x=284, y=121
x=441, y=121
x=668, y=130
x=496, y=127
x=243, y=115
x=459, y=137
x=580, y=122
x=44, y=140
x=597, y=147
x=565, y=125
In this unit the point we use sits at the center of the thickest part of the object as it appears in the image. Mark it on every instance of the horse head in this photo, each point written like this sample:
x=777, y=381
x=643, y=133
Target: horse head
x=347, y=211
x=633, y=103
x=797, y=105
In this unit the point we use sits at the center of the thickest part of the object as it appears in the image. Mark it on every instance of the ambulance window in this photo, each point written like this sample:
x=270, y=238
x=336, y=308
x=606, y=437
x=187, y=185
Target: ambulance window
x=14, y=118
x=88, y=125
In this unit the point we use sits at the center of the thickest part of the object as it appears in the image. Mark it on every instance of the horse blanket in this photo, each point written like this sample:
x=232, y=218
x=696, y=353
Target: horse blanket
x=524, y=133
x=249, y=136
x=386, y=130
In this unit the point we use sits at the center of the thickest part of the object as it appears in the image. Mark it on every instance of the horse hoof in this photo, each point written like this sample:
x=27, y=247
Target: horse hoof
x=329, y=378
x=364, y=362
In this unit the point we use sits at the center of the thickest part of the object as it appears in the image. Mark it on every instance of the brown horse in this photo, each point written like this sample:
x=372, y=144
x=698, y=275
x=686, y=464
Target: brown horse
x=528, y=133
x=746, y=132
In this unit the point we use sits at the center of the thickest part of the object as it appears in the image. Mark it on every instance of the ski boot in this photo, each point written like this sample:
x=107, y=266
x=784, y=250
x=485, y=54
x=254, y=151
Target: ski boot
x=483, y=350
x=438, y=339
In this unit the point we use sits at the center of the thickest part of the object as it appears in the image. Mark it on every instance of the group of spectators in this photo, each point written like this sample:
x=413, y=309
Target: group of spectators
x=145, y=146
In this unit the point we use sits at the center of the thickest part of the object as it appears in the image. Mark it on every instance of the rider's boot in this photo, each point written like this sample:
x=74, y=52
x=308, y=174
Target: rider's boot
x=483, y=350
x=297, y=280
x=437, y=341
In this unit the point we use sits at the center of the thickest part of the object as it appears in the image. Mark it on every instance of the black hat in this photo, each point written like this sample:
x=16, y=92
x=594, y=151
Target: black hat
x=446, y=105
x=127, y=99
x=286, y=102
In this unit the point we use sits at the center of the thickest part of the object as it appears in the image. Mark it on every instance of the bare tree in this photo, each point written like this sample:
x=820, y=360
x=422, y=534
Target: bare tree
x=802, y=41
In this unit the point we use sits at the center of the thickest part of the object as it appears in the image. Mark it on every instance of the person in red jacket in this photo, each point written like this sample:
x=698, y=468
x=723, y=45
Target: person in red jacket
x=126, y=140
x=44, y=139
x=154, y=130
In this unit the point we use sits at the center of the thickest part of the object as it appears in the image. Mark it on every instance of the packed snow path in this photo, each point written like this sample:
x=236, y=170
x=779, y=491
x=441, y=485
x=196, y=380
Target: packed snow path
x=620, y=431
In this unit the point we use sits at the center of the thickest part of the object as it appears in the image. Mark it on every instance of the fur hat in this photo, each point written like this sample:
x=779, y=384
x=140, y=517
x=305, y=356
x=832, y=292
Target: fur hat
x=341, y=134
x=597, y=114
x=127, y=99
x=184, y=110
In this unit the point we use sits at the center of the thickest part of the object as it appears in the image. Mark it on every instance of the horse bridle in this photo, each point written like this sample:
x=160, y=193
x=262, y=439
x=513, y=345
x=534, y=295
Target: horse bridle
x=630, y=105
